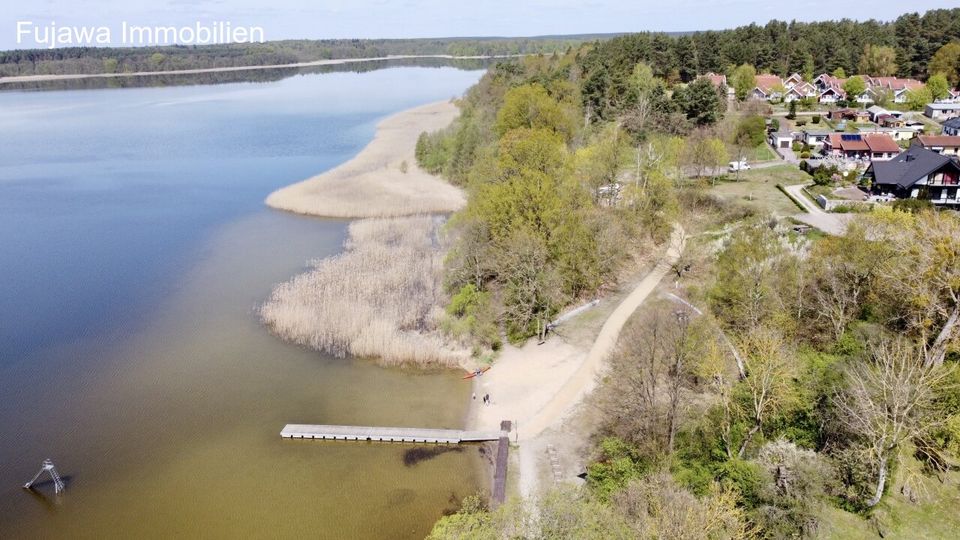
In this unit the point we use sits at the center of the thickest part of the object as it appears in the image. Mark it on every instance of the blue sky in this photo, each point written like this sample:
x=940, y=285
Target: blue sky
x=316, y=19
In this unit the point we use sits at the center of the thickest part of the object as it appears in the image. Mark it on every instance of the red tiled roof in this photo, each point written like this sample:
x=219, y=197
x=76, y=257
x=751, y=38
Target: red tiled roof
x=939, y=140
x=848, y=145
x=881, y=142
x=766, y=82
x=716, y=79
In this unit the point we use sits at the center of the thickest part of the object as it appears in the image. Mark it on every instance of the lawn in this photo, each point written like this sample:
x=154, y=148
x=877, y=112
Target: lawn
x=758, y=187
x=933, y=516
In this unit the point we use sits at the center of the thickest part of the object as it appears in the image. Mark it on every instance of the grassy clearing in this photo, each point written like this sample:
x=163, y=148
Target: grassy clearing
x=932, y=516
x=758, y=188
x=378, y=299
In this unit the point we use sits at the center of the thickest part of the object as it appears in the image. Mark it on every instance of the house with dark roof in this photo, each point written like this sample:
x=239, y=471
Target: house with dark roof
x=951, y=127
x=864, y=147
x=948, y=145
x=917, y=173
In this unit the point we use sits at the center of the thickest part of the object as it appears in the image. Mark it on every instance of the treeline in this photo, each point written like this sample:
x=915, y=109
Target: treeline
x=76, y=60
x=228, y=77
x=778, y=47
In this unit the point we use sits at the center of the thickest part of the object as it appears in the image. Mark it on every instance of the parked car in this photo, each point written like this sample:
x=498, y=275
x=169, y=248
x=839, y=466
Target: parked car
x=735, y=166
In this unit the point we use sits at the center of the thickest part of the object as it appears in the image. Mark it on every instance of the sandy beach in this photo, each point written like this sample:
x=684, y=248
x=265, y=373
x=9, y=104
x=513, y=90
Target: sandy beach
x=374, y=184
x=383, y=296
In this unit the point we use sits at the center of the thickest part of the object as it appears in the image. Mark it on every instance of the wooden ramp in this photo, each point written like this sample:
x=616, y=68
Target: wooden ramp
x=385, y=434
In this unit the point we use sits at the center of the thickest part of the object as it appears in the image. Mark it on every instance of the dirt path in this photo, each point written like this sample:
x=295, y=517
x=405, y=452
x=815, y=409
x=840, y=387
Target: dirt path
x=584, y=378
x=835, y=224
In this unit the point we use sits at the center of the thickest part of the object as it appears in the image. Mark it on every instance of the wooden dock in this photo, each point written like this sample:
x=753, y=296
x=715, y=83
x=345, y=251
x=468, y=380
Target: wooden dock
x=385, y=434
x=500, y=465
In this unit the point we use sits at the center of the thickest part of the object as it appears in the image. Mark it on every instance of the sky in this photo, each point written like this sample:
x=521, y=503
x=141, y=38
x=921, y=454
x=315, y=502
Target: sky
x=319, y=19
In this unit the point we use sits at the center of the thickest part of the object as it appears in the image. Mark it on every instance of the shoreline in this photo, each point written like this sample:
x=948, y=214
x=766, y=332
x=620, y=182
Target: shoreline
x=383, y=179
x=314, y=63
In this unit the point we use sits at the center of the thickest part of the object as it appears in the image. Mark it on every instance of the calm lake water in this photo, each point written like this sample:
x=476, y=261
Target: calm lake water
x=134, y=251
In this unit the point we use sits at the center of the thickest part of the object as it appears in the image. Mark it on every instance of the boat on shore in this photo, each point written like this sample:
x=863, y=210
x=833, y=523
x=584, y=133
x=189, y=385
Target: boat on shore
x=477, y=373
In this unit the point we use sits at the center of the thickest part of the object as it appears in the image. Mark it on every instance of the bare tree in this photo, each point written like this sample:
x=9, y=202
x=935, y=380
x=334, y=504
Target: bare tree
x=769, y=369
x=888, y=400
x=647, y=398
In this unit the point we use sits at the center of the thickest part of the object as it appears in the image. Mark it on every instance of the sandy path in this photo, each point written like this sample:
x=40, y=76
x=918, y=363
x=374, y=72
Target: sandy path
x=374, y=184
x=538, y=385
x=338, y=61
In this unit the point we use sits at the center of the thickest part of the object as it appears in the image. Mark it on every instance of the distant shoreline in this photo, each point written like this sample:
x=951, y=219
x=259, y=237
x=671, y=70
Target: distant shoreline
x=315, y=63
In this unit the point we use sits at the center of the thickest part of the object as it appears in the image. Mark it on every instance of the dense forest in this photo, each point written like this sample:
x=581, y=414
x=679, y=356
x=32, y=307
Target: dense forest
x=75, y=60
x=814, y=392
x=240, y=76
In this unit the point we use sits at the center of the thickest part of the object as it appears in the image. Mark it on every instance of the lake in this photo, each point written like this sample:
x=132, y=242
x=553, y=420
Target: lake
x=135, y=250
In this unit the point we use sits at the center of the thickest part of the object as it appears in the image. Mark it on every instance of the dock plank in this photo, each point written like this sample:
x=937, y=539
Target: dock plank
x=384, y=434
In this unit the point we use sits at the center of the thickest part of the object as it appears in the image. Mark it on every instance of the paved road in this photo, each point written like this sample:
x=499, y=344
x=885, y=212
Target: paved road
x=835, y=224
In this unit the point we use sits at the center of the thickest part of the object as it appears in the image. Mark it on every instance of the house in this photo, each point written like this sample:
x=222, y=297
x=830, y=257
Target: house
x=942, y=111
x=824, y=81
x=781, y=139
x=832, y=94
x=890, y=121
x=947, y=145
x=769, y=87
x=800, y=91
x=864, y=147
x=812, y=138
x=876, y=111
x=898, y=88
x=865, y=97
x=855, y=115
x=792, y=81
x=917, y=173
x=720, y=81
x=951, y=127
x=896, y=133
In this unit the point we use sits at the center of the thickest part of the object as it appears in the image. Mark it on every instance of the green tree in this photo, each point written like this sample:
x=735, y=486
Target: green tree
x=110, y=65
x=530, y=106
x=700, y=101
x=840, y=73
x=938, y=86
x=854, y=86
x=751, y=128
x=792, y=113
x=744, y=80
x=878, y=61
x=946, y=61
x=919, y=98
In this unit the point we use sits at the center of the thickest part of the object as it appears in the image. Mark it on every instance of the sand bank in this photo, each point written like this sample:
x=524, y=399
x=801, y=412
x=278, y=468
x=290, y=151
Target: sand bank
x=374, y=184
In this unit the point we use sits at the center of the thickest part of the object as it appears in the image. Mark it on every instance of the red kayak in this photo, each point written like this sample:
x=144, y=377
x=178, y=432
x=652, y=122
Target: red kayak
x=475, y=373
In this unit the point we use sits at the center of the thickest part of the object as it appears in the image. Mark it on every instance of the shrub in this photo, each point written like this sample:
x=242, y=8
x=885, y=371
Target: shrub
x=914, y=206
x=801, y=123
x=804, y=155
x=797, y=146
x=815, y=119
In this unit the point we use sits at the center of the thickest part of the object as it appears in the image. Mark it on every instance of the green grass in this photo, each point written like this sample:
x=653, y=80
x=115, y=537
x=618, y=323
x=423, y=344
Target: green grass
x=933, y=516
x=758, y=188
x=826, y=191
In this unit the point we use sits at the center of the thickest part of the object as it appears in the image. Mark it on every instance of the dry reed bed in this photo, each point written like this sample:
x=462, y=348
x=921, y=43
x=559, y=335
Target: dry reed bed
x=383, y=180
x=380, y=298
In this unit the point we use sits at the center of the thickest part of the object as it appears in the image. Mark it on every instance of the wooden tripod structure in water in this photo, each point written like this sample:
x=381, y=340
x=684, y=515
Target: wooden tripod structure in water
x=52, y=471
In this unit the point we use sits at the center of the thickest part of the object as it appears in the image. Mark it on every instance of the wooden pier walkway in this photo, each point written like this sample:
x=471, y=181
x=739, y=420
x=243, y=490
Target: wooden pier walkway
x=385, y=434
x=416, y=435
